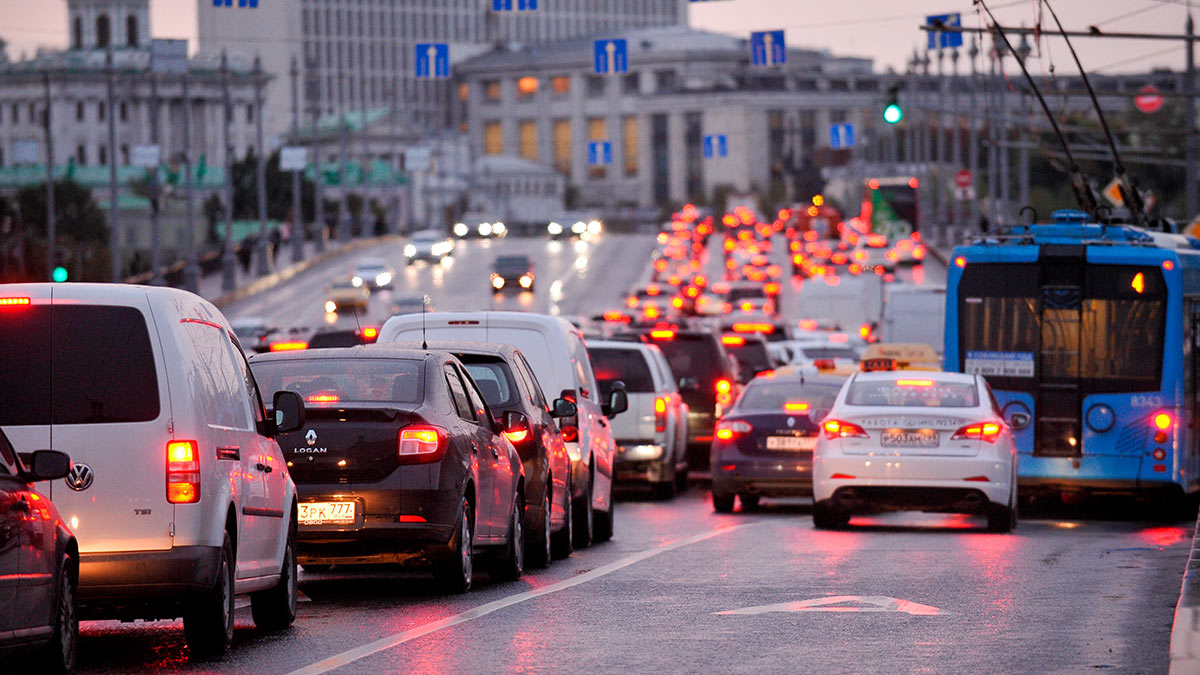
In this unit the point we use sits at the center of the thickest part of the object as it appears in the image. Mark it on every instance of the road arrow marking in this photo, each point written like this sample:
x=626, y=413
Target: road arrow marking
x=843, y=603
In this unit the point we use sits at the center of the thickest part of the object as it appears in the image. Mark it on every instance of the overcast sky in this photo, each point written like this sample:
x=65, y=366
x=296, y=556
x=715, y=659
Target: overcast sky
x=885, y=30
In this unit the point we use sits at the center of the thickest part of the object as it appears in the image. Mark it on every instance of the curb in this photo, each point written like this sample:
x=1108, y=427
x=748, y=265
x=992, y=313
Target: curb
x=272, y=280
x=1185, y=629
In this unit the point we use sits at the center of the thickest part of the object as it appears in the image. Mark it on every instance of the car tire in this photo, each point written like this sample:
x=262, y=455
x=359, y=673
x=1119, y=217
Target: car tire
x=605, y=523
x=664, y=490
x=749, y=502
x=722, y=503
x=826, y=517
x=511, y=565
x=540, y=548
x=275, y=608
x=585, y=518
x=681, y=480
x=208, y=620
x=1001, y=519
x=562, y=543
x=456, y=573
x=59, y=655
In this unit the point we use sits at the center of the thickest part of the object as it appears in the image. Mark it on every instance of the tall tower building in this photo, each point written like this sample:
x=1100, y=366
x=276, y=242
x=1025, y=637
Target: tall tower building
x=358, y=54
x=95, y=24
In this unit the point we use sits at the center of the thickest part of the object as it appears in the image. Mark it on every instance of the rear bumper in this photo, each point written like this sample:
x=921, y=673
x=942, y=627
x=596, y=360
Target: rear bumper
x=146, y=584
x=631, y=468
x=764, y=477
x=930, y=474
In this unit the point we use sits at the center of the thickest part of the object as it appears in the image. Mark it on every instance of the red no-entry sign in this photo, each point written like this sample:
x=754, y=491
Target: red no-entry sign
x=1148, y=100
x=964, y=179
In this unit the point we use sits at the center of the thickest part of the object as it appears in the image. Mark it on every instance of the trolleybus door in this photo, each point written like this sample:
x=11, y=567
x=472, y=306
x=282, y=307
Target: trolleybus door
x=1058, y=413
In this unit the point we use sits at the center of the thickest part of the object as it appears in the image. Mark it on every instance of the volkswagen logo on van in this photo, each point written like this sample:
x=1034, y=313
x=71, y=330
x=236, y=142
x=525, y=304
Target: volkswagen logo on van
x=311, y=436
x=80, y=477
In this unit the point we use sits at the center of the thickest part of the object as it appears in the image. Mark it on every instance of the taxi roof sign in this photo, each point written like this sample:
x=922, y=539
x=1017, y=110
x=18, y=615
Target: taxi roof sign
x=900, y=356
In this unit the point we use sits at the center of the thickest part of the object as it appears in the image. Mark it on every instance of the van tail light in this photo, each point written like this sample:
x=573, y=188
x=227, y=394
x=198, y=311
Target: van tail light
x=183, y=472
x=660, y=414
x=839, y=429
x=982, y=431
x=570, y=433
x=14, y=302
x=421, y=444
x=728, y=430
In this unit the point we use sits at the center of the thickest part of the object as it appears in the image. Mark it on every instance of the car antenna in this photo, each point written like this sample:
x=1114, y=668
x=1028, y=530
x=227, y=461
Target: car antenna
x=424, y=307
x=357, y=322
x=1125, y=182
x=1083, y=191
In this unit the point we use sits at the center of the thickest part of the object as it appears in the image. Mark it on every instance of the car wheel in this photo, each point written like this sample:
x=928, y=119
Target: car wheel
x=826, y=517
x=722, y=503
x=749, y=502
x=681, y=480
x=512, y=565
x=664, y=490
x=540, y=552
x=58, y=656
x=275, y=608
x=455, y=574
x=605, y=523
x=563, y=541
x=585, y=517
x=208, y=621
x=1001, y=518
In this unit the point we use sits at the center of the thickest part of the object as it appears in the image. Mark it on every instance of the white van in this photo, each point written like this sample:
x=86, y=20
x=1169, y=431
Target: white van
x=914, y=314
x=178, y=494
x=556, y=351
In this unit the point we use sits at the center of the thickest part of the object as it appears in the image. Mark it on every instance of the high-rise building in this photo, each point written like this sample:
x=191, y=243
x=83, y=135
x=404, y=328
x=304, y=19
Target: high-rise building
x=359, y=54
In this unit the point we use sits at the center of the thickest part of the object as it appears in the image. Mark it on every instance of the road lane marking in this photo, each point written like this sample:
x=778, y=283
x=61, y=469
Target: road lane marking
x=843, y=603
x=383, y=644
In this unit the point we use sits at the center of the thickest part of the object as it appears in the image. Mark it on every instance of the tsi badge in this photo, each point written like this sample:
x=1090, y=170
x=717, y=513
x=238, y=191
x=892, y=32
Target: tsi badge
x=311, y=439
x=80, y=477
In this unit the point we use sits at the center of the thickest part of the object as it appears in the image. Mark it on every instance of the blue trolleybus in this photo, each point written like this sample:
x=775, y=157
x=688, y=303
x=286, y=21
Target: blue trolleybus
x=1088, y=335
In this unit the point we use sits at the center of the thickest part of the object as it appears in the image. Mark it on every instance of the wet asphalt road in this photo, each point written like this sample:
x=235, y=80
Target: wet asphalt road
x=1067, y=592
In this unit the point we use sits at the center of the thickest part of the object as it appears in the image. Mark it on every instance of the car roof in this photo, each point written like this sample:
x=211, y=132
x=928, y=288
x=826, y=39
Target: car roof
x=464, y=347
x=372, y=351
x=935, y=375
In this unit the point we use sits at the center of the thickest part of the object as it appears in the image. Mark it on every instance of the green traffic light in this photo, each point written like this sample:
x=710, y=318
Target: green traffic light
x=893, y=113
x=60, y=274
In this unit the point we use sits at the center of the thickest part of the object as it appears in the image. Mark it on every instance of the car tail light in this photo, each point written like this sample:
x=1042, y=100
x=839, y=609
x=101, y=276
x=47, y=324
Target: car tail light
x=983, y=431
x=420, y=444
x=724, y=389
x=727, y=430
x=662, y=334
x=322, y=398
x=919, y=253
x=839, y=429
x=570, y=433
x=517, y=436
x=660, y=413
x=288, y=346
x=753, y=328
x=864, y=331
x=183, y=472
x=370, y=333
x=733, y=340
x=14, y=302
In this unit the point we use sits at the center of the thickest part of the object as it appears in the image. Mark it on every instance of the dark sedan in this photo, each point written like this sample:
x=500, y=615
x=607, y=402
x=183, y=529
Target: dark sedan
x=508, y=384
x=400, y=461
x=512, y=271
x=39, y=564
x=763, y=446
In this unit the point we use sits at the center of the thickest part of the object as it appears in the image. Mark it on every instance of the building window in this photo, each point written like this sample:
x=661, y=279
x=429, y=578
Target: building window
x=101, y=111
x=77, y=33
x=249, y=114
x=491, y=90
x=464, y=91
x=103, y=31
x=562, y=146
x=124, y=110
x=493, y=139
x=629, y=83
x=131, y=31
x=527, y=133
x=597, y=131
x=664, y=81
x=629, y=139
x=527, y=87
x=595, y=85
x=79, y=111
x=560, y=85
x=81, y=155
x=125, y=155
x=103, y=155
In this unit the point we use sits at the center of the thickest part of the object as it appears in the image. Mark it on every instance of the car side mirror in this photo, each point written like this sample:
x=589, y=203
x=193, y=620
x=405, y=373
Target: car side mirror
x=688, y=384
x=289, y=411
x=564, y=408
x=515, y=425
x=618, y=400
x=49, y=465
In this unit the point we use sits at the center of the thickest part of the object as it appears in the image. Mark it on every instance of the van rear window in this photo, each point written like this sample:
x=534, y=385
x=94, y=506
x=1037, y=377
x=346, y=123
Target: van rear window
x=626, y=365
x=343, y=380
x=76, y=364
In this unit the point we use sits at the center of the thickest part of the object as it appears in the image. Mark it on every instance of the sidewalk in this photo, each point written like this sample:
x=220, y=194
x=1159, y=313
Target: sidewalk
x=1185, y=630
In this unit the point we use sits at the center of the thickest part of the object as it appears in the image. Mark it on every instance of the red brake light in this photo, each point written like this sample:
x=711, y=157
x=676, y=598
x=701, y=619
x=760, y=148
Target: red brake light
x=11, y=302
x=960, y=261
x=421, y=444
x=370, y=333
x=288, y=346
x=795, y=407
x=323, y=398
x=1168, y=265
x=724, y=386
x=518, y=436
x=914, y=383
x=753, y=328
x=864, y=331
x=839, y=429
x=662, y=334
x=660, y=414
x=982, y=431
x=727, y=430
x=1163, y=421
x=733, y=340
x=183, y=472
x=570, y=433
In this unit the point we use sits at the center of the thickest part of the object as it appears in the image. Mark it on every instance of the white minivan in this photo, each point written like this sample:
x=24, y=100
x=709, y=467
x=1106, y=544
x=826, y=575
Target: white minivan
x=178, y=494
x=556, y=351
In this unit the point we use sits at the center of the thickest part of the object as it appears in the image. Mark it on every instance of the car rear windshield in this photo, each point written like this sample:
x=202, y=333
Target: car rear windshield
x=914, y=392
x=76, y=364
x=494, y=378
x=696, y=356
x=792, y=397
x=337, y=338
x=829, y=353
x=337, y=380
x=752, y=357
x=626, y=365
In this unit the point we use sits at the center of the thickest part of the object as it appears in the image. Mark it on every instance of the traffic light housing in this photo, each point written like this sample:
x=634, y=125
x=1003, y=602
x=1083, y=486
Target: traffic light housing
x=892, y=112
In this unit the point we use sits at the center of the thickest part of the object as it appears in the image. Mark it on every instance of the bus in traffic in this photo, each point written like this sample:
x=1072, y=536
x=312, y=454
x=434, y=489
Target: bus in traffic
x=1087, y=334
x=890, y=206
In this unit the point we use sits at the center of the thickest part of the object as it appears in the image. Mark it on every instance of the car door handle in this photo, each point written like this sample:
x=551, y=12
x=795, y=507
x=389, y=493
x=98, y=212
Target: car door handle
x=229, y=452
x=265, y=468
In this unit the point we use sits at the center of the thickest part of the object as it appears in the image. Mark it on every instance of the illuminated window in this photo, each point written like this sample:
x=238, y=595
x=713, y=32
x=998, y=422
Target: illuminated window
x=527, y=87
x=562, y=146
x=491, y=90
x=464, y=91
x=493, y=139
x=527, y=133
x=560, y=85
x=629, y=132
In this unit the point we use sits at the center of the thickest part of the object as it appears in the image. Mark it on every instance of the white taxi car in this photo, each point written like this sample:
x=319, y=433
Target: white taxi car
x=915, y=441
